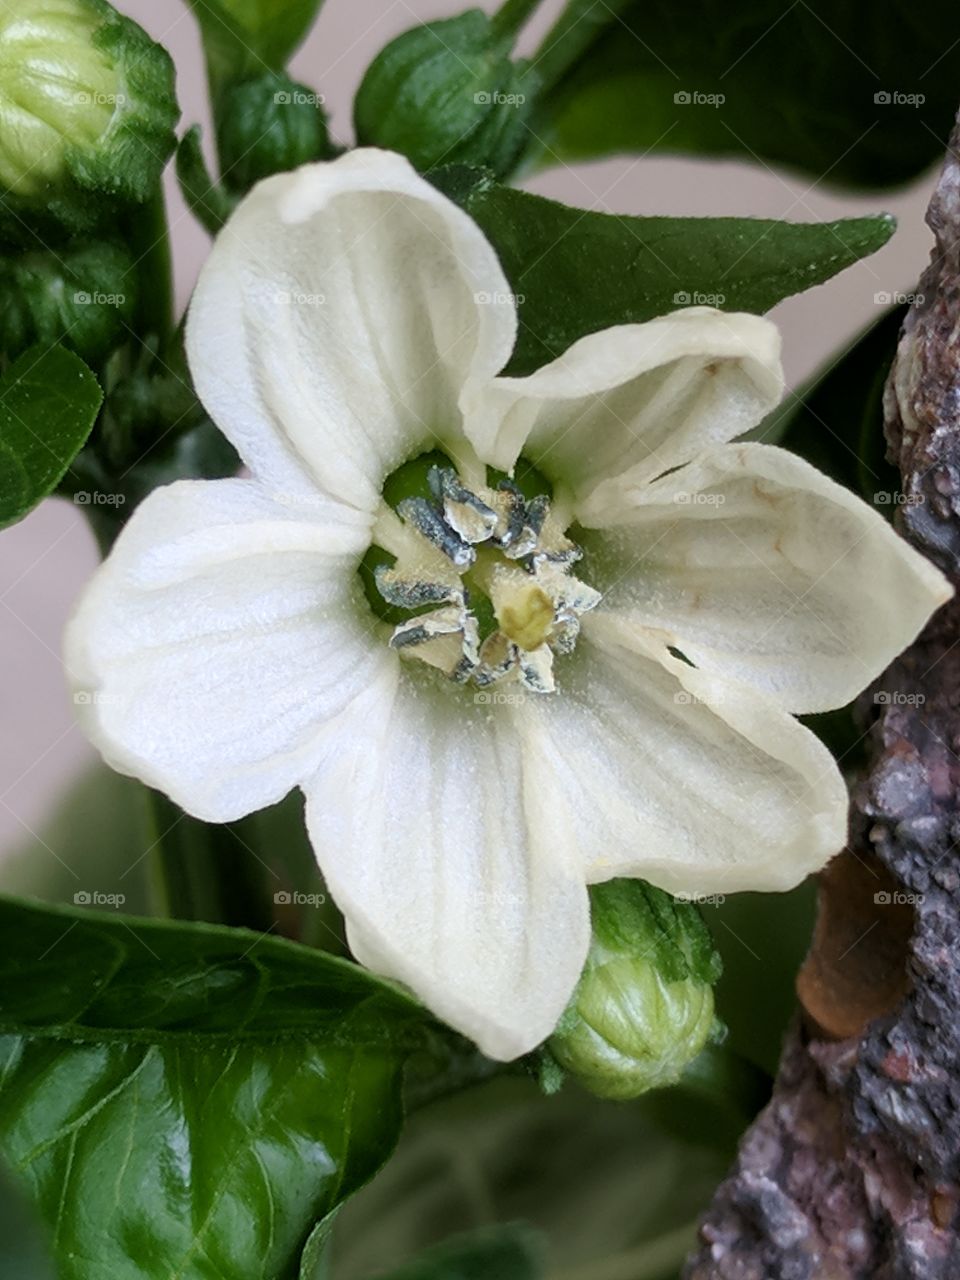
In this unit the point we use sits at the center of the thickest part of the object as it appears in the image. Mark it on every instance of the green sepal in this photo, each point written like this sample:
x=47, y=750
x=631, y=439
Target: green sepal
x=206, y=199
x=67, y=158
x=445, y=93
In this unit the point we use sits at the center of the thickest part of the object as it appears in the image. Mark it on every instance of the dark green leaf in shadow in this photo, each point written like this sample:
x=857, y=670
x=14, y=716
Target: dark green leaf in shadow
x=861, y=95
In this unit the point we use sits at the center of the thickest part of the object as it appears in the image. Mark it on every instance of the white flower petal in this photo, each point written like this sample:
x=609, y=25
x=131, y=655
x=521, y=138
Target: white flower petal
x=756, y=566
x=692, y=782
x=453, y=874
x=218, y=639
x=336, y=320
x=646, y=396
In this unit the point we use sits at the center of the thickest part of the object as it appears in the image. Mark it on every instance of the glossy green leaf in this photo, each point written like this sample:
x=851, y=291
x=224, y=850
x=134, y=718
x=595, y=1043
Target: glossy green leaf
x=863, y=95
x=243, y=38
x=190, y=1100
x=491, y=1253
x=575, y=271
x=23, y=1253
x=48, y=404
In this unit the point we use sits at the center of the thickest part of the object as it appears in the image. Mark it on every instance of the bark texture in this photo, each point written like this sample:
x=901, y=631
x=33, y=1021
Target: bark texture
x=853, y=1169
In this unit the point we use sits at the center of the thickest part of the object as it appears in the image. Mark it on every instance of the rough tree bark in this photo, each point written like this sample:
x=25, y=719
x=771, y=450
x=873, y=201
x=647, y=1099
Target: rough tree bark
x=853, y=1169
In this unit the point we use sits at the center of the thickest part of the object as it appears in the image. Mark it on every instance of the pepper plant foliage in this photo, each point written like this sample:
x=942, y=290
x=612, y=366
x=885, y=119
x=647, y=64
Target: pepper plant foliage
x=193, y=1097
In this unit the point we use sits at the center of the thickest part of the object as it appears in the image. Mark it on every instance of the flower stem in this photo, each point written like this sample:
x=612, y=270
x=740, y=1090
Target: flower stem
x=510, y=17
x=202, y=872
x=149, y=234
x=580, y=23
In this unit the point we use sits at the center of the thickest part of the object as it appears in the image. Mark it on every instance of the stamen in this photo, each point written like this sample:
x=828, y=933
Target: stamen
x=518, y=582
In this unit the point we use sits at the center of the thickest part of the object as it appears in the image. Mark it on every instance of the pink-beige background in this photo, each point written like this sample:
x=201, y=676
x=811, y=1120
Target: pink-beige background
x=45, y=560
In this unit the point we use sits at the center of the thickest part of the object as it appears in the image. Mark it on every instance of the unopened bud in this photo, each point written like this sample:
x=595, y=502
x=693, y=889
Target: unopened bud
x=86, y=104
x=644, y=1006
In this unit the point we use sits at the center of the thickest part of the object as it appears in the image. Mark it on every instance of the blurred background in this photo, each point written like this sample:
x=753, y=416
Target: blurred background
x=45, y=560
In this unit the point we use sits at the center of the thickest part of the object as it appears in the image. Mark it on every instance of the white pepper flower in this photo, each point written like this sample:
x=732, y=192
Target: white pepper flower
x=592, y=676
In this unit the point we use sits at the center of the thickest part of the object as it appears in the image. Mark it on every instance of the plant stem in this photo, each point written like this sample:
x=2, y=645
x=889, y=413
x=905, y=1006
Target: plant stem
x=575, y=30
x=510, y=17
x=202, y=872
x=154, y=266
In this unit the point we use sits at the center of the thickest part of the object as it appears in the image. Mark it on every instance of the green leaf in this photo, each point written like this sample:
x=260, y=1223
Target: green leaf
x=190, y=1100
x=575, y=271
x=614, y=1189
x=48, y=404
x=242, y=38
x=829, y=89
x=447, y=92
x=491, y=1253
x=84, y=295
x=22, y=1252
x=205, y=198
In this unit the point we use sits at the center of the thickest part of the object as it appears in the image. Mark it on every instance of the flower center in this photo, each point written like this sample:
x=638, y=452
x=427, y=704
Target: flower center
x=484, y=574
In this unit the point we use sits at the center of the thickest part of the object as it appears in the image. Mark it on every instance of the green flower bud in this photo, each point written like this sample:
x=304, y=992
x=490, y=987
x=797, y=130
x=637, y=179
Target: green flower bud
x=87, y=109
x=644, y=1006
x=84, y=296
x=268, y=125
x=447, y=93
